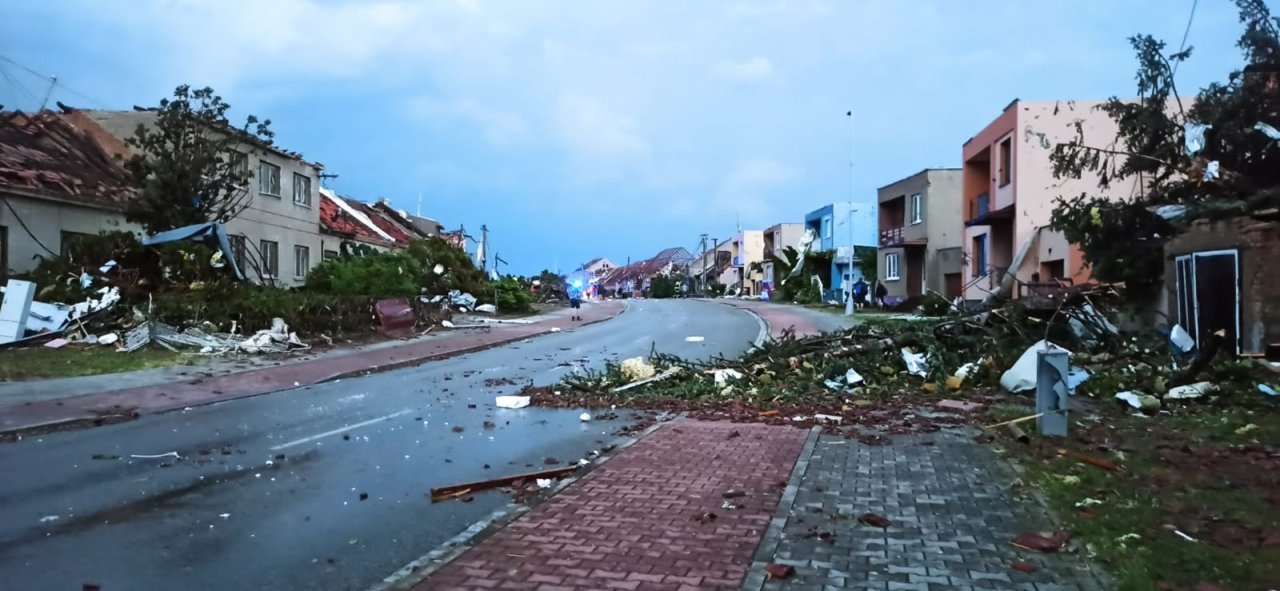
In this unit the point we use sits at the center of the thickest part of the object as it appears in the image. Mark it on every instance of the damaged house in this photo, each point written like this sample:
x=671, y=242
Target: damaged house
x=277, y=236
x=1009, y=191
x=636, y=277
x=59, y=178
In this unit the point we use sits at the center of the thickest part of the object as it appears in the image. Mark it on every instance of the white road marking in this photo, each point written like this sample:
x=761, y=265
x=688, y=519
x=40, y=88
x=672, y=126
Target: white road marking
x=341, y=430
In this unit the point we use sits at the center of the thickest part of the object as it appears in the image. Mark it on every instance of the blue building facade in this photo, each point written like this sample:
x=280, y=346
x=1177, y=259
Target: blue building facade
x=838, y=227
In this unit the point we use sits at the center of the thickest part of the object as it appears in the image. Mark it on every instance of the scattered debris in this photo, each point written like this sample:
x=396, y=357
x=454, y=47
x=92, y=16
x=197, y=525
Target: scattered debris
x=705, y=517
x=1190, y=391
x=730, y=506
x=1105, y=465
x=49, y=518
x=487, y=309
x=445, y=493
x=694, y=339
x=779, y=571
x=1023, y=566
x=172, y=454
x=874, y=520
x=1043, y=542
x=733, y=494
x=512, y=401
x=1138, y=400
x=636, y=368
x=584, y=417
x=960, y=405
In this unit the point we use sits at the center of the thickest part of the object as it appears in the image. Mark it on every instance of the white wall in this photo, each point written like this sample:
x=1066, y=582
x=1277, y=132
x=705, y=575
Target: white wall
x=47, y=220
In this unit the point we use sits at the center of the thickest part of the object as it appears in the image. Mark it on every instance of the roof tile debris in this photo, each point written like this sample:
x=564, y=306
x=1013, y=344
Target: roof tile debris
x=45, y=154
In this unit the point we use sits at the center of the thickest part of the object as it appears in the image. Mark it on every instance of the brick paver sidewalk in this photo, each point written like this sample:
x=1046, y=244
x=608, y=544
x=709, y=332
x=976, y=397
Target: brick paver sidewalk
x=632, y=523
x=952, y=520
x=778, y=317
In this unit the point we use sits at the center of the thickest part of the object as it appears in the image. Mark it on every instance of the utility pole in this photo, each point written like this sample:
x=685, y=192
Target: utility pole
x=848, y=281
x=53, y=81
x=482, y=251
x=703, y=289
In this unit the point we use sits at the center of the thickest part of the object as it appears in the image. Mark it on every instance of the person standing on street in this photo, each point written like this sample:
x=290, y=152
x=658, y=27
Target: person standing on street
x=575, y=300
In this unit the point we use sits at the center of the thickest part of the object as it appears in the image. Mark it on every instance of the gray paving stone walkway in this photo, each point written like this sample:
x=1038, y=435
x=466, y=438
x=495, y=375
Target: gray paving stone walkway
x=952, y=516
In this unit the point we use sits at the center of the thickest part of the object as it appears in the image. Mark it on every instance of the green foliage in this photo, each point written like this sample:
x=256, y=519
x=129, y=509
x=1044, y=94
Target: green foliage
x=191, y=166
x=663, y=286
x=1121, y=240
x=511, y=294
x=806, y=293
x=800, y=289
x=252, y=307
x=459, y=272
x=1122, y=243
x=868, y=261
x=381, y=275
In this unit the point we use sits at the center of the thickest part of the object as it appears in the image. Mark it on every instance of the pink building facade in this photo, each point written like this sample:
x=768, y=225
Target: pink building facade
x=1009, y=194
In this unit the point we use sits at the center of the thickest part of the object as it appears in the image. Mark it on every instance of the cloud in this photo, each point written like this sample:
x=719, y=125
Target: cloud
x=750, y=190
x=500, y=128
x=598, y=136
x=756, y=69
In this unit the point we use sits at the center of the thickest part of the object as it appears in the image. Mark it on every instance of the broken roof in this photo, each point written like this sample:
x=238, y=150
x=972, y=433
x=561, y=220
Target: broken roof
x=338, y=217
x=46, y=155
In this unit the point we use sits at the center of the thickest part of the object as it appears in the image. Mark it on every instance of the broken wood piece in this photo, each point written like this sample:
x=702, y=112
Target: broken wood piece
x=1018, y=434
x=445, y=493
x=770, y=413
x=1105, y=465
x=1016, y=421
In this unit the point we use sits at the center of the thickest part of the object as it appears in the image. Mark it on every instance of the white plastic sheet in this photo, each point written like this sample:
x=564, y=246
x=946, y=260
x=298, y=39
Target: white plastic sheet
x=1022, y=376
x=511, y=401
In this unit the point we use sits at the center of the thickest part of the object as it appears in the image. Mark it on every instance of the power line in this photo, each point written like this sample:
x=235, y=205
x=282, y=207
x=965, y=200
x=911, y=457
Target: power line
x=54, y=83
x=1186, y=32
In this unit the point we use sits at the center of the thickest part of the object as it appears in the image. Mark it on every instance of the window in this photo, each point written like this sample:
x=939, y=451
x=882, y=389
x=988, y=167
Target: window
x=301, y=189
x=301, y=261
x=268, y=178
x=270, y=258
x=891, y=267
x=980, y=256
x=917, y=208
x=240, y=165
x=826, y=226
x=1006, y=161
x=330, y=254
x=239, y=249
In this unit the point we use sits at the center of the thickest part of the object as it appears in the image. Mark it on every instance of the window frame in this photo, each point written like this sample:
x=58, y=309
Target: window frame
x=828, y=227
x=270, y=264
x=981, y=268
x=301, y=263
x=892, y=270
x=917, y=208
x=1006, y=161
x=263, y=178
x=307, y=201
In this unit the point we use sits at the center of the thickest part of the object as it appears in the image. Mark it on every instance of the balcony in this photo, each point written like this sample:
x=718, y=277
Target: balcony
x=891, y=236
x=981, y=206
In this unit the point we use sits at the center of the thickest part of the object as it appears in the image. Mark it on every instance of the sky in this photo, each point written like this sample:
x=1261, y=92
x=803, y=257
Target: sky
x=583, y=129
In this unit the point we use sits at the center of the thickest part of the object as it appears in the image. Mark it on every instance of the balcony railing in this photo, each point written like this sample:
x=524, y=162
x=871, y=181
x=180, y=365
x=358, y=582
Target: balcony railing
x=891, y=236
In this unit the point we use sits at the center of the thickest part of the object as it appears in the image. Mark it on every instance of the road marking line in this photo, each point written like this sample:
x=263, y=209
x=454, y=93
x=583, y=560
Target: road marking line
x=340, y=430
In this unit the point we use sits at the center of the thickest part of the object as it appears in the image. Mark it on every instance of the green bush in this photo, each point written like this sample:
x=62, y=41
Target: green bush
x=663, y=286
x=459, y=272
x=252, y=307
x=512, y=295
x=381, y=275
x=806, y=294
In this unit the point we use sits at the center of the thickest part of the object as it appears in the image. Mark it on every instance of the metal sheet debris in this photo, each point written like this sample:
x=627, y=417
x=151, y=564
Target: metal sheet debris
x=1190, y=391
x=445, y=493
x=15, y=310
x=1022, y=376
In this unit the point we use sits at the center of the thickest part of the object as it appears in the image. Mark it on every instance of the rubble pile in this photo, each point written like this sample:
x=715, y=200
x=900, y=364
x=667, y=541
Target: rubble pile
x=904, y=376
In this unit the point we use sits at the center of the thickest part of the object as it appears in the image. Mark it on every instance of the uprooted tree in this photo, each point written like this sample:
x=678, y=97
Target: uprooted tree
x=1213, y=157
x=191, y=164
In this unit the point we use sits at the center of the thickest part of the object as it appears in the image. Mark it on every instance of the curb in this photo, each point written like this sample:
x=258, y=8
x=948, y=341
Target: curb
x=773, y=534
x=761, y=336
x=428, y=564
x=80, y=422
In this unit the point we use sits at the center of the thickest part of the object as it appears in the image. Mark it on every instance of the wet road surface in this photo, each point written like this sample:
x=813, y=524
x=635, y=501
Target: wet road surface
x=268, y=491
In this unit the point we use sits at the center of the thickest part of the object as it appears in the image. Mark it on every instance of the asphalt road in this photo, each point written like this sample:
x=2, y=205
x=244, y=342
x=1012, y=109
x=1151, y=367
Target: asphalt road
x=267, y=493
